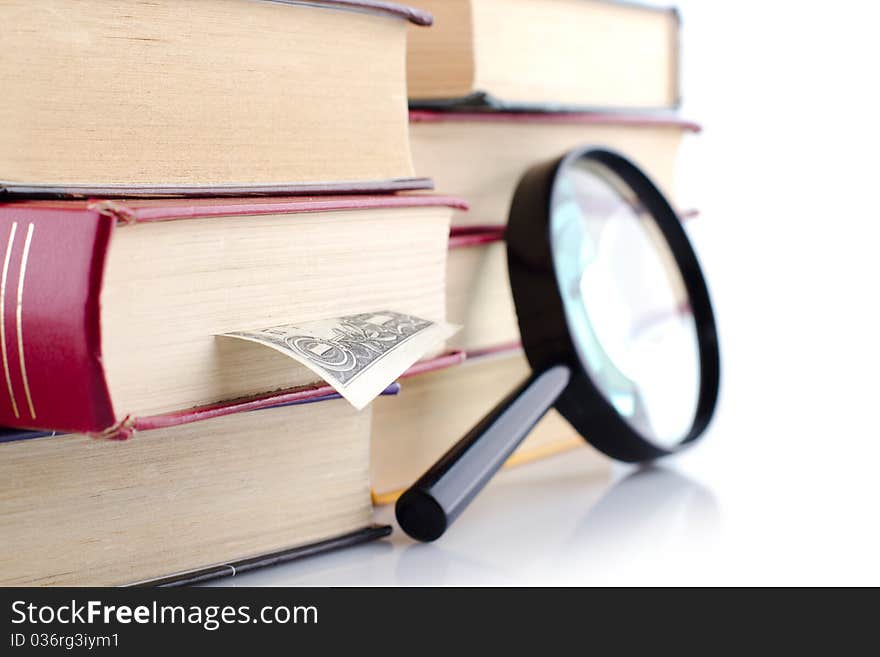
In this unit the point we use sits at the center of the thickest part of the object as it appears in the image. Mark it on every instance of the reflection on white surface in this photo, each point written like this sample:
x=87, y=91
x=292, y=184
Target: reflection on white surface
x=543, y=523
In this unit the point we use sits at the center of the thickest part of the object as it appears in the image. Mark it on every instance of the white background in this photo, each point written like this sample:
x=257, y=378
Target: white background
x=785, y=486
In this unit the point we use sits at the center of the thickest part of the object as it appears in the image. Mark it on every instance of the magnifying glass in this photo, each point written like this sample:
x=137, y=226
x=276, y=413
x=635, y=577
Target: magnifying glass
x=615, y=321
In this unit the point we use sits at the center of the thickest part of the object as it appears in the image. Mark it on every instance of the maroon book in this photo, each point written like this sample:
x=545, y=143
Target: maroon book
x=53, y=274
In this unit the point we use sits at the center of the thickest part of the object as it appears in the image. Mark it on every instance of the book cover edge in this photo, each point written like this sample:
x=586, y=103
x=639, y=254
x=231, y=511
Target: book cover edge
x=11, y=190
x=412, y=14
x=248, y=564
x=451, y=110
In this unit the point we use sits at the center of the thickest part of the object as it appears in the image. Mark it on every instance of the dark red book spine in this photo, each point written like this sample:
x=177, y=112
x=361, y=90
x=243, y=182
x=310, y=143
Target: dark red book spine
x=53, y=264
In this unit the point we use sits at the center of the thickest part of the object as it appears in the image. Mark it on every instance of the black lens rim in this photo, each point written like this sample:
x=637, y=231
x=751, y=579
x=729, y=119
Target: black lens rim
x=541, y=316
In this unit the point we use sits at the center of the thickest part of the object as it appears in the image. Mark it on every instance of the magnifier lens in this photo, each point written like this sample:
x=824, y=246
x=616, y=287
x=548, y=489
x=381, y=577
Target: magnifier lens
x=625, y=302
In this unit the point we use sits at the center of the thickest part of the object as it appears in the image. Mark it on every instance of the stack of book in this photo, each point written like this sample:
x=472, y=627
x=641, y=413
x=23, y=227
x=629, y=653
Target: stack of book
x=171, y=172
x=496, y=86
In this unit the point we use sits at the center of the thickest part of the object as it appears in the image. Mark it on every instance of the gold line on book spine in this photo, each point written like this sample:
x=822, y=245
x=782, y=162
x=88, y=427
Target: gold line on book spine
x=24, y=259
x=3, y=316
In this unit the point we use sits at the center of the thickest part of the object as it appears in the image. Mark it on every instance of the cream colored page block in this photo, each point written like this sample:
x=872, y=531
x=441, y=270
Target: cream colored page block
x=478, y=297
x=440, y=60
x=198, y=92
x=79, y=511
x=597, y=54
x=160, y=316
x=482, y=161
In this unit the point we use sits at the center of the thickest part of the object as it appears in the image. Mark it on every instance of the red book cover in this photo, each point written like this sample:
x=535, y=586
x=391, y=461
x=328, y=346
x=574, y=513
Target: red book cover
x=54, y=255
x=637, y=119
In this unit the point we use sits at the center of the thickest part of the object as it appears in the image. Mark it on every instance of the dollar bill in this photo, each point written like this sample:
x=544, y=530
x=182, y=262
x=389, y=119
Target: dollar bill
x=358, y=355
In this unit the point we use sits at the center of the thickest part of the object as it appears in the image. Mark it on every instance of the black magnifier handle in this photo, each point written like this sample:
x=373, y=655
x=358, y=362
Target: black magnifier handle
x=431, y=504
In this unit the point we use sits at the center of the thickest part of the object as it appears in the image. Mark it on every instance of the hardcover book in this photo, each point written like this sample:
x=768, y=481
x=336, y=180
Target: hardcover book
x=204, y=97
x=545, y=55
x=216, y=492
x=478, y=296
x=481, y=156
x=109, y=310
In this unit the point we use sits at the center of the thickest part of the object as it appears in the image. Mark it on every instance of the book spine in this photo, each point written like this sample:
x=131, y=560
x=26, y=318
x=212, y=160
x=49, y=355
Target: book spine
x=51, y=374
